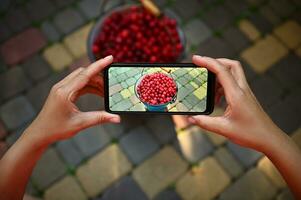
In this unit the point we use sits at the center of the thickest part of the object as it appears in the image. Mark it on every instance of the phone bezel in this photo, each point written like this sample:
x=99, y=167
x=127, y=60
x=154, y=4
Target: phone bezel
x=210, y=88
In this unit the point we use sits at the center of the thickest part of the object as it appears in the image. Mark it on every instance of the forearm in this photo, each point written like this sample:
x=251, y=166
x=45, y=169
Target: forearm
x=286, y=156
x=17, y=164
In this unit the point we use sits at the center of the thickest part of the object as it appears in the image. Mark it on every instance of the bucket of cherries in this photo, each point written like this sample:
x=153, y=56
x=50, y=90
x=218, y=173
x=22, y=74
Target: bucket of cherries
x=133, y=33
x=156, y=91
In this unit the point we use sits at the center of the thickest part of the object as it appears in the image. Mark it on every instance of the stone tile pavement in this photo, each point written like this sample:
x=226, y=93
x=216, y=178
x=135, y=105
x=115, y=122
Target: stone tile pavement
x=151, y=157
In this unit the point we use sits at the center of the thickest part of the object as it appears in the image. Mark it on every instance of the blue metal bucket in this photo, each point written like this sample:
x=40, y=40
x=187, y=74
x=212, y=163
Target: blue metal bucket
x=155, y=108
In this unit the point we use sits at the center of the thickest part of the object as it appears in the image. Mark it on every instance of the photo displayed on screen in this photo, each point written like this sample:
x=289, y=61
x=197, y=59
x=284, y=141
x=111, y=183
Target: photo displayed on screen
x=157, y=89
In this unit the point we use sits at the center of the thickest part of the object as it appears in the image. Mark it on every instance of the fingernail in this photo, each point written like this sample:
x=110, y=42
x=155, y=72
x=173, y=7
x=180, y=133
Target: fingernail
x=197, y=56
x=115, y=120
x=192, y=120
x=108, y=57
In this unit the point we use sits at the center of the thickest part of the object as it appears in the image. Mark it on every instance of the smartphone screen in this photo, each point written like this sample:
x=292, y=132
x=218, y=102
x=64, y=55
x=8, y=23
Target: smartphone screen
x=169, y=88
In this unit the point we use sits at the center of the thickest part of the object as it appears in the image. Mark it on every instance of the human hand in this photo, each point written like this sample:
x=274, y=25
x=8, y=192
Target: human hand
x=244, y=121
x=60, y=118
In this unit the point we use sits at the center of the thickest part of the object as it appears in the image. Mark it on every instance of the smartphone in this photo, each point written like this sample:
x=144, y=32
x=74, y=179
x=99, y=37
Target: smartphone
x=170, y=88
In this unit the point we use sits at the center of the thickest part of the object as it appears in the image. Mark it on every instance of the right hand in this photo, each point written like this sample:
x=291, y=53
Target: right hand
x=244, y=121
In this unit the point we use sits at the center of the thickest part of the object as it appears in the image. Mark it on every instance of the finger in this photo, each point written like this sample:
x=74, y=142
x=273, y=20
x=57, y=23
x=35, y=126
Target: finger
x=224, y=76
x=92, y=70
x=213, y=124
x=236, y=69
x=88, y=119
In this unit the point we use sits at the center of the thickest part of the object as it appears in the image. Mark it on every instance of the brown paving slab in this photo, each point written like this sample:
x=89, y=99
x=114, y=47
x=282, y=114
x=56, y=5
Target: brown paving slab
x=203, y=182
x=298, y=51
x=264, y=53
x=84, y=61
x=22, y=46
x=289, y=33
x=249, y=29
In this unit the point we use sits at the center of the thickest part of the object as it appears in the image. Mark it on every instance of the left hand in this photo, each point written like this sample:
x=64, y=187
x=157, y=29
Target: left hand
x=60, y=118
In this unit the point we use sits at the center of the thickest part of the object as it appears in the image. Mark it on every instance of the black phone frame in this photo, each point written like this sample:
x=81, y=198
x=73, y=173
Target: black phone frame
x=210, y=88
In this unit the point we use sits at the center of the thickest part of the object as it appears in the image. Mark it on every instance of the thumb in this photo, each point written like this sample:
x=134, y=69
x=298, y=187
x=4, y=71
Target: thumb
x=98, y=117
x=213, y=124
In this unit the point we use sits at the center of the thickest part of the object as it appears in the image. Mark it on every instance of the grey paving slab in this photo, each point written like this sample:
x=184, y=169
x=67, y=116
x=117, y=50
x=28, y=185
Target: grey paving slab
x=16, y=112
x=218, y=18
x=90, y=102
x=236, y=6
x=48, y=169
x=70, y=152
x=139, y=144
x=39, y=10
x=266, y=91
x=248, y=70
x=236, y=39
x=68, y=20
x=261, y=23
x=5, y=31
x=181, y=7
x=115, y=130
x=251, y=186
x=162, y=127
x=228, y=162
x=294, y=99
x=50, y=31
x=125, y=189
x=246, y=156
x=91, y=140
x=122, y=105
x=36, y=68
x=167, y=195
x=286, y=71
x=192, y=100
x=216, y=47
x=13, y=81
x=17, y=19
x=282, y=8
x=270, y=15
x=196, y=32
x=90, y=8
x=286, y=194
x=62, y=3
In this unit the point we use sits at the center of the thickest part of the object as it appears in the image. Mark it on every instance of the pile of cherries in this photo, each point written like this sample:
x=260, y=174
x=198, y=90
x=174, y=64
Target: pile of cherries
x=156, y=89
x=135, y=35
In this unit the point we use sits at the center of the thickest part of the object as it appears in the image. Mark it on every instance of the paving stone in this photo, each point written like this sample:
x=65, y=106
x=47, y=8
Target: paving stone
x=216, y=48
x=36, y=68
x=298, y=52
x=296, y=136
x=15, y=135
x=16, y=112
x=285, y=116
x=286, y=194
x=90, y=102
x=194, y=145
x=293, y=99
x=205, y=181
x=30, y=189
x=248, y=70
x=268, y=168
x=266, y=91
x=181, y=7
x=236, y=6
x=22, y=46
x=282, y=8
x=126, y=189
x=162, y=128
x=67, y=188
x=92, y=140
x=289, y=33
x=102, y=170
x=218, y=18
x=39, y=10
x=68, y=20
x=38, y=94
x=216, y=139
x=255, y=2
x=196, y=32
x=28, y=197
x=83, y=61
x=261, y=23
x=159, y=171
x=13, y=81
x=270, y=15
x=17, y=19
x=70, y=152
x=123, y=105
x=50, y=31
x=48, y=169
x=251, y=186
x=264, y=53
x=236, y=39
x=77, y=41
x=115, y=130
x=228, y=162
x=285, y=71
x=249, y=29
x=58, y=57
x=3, y=131
x=5, y=31
x=167, y=195
x=246, y=156
x=138, y=144
x=90, y=8
x=62, y=3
